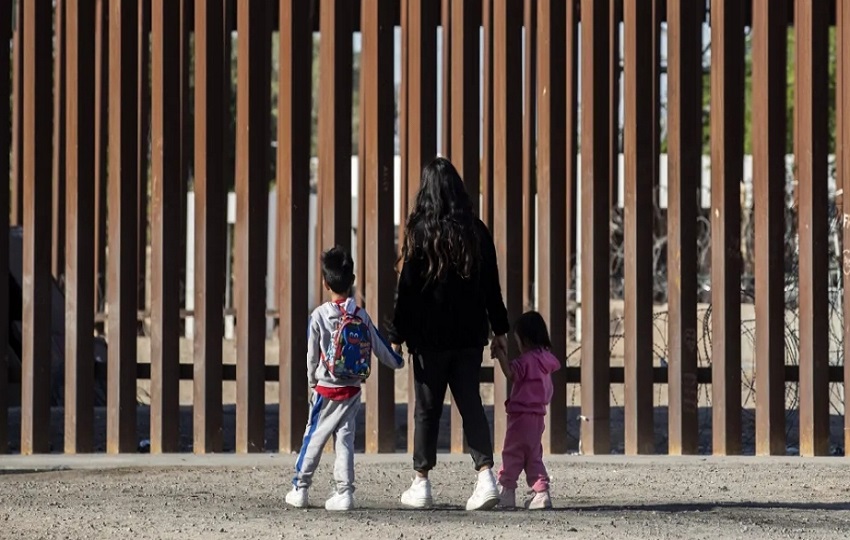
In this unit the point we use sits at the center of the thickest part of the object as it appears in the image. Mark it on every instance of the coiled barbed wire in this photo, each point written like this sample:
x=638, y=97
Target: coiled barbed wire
x=792, y=335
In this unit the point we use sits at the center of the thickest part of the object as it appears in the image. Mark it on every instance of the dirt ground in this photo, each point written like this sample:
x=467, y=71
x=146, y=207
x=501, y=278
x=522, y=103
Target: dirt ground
x=186, y=497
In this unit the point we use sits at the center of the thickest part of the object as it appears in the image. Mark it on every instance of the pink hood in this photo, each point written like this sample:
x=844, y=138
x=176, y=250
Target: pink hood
x=532, y=382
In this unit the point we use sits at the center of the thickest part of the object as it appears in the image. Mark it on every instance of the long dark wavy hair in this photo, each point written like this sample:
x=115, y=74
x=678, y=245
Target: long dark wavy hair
x=442, y=226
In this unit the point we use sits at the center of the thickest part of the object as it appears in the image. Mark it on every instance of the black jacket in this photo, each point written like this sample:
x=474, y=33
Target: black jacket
x=453, y=313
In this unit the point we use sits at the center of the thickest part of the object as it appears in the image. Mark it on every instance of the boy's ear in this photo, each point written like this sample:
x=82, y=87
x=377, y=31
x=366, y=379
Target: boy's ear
x=325, y=284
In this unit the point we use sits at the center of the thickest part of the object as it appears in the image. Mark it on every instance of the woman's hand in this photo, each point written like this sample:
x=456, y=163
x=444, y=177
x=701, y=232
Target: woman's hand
x=397, y=348
x=499, y=348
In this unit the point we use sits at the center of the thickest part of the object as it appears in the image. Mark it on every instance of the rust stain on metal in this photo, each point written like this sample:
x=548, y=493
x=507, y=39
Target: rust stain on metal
x=122, y=193
x=595, y=129
x=80, y=226
x=727, y=150
x=811, y=138
x=769, y=45
x=684, y=138
x=293, y=191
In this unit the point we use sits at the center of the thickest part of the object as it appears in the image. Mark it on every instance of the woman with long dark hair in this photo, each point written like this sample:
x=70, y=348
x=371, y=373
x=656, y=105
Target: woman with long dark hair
x=448, y=301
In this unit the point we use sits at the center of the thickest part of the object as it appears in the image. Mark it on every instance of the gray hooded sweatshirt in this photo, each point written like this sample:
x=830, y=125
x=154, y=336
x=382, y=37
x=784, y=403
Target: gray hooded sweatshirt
x=323, y=323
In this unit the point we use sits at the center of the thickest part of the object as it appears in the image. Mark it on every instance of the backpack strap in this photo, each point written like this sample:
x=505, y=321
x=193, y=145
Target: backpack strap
x=344, y=311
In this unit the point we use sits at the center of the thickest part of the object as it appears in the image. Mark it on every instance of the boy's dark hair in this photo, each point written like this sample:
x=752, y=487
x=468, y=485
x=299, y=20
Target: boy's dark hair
x=531, y=330
x=338, y=270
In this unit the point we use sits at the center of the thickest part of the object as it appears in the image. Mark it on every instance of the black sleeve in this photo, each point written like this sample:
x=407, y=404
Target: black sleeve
x=408, y=287
x=496, y=310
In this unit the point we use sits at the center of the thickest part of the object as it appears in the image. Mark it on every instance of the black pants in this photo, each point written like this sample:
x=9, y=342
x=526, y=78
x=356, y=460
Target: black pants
x=459, y=370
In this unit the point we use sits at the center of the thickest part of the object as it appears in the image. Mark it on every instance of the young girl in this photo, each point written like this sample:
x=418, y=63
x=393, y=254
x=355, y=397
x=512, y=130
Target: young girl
x=531, y=375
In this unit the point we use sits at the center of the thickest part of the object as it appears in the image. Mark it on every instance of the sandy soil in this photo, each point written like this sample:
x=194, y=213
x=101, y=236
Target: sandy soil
x=148, y=497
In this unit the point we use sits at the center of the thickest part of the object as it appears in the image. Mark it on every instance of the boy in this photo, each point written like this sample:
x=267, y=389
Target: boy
x=342, y=338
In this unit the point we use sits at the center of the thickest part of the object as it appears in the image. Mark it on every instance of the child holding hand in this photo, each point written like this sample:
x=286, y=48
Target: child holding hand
x=341, y=342
x=531, y=375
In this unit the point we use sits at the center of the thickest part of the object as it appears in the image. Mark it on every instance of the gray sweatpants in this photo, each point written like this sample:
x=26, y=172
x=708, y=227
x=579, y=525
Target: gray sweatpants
x=329, y=418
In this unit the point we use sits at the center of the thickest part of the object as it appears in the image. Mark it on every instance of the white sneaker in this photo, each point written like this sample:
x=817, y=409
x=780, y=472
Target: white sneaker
x=297, y=498
x=507, y=497
x=340, y=502
x=540, y=501
x=419, y=494
x=486, y=494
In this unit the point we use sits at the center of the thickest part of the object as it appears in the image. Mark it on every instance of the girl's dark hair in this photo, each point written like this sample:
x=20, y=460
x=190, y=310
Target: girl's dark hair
x=531, y=330
x=442, y=226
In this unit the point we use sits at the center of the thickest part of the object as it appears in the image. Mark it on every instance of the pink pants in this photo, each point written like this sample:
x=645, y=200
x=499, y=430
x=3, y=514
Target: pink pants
x=523, y=450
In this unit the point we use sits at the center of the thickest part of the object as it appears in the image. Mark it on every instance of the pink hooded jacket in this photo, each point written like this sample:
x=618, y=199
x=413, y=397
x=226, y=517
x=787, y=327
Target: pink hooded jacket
x=532, y=382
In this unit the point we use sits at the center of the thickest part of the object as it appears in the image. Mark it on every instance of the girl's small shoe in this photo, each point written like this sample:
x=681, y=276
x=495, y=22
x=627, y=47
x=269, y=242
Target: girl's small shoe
x=507, y=497
x=540, y=501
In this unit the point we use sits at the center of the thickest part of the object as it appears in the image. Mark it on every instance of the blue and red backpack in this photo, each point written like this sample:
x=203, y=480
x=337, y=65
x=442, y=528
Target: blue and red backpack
x=349, y=355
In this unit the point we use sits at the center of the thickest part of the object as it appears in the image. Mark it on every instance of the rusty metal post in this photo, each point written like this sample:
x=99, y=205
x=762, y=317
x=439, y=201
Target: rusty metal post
x=843, y=182
x=16, y=201
x=252, y=188
x=615, y=17
x=639, y=204
x=35, y=377
x=657, y=16
x=144, y=142
x=507, y=178
x=552, y=202
x=211, y=110
x=37, y=352
x=403, y=123
x=769, y=52
x=101, y=139
x=727, y=157
x=5, y=144
x=123, y=206
x=811, y=140
x=420, y=131
x=58, y=239
x=165, y=219
x=486, y=185
x=360, y=226
x=572, y=93
x=403, y=114
x=466, y=126
x=293, y=191
x=839, y=114
x=79, y=260
x=360, y=257
x=595, y=129
x=187, y=128
x=377, y=20
x=446, y=23
x=211, y=113
x=465, y=94
x=684, y=140
x=422, y=90
x=446, y=132
x=529, y=149
x=336, y=22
